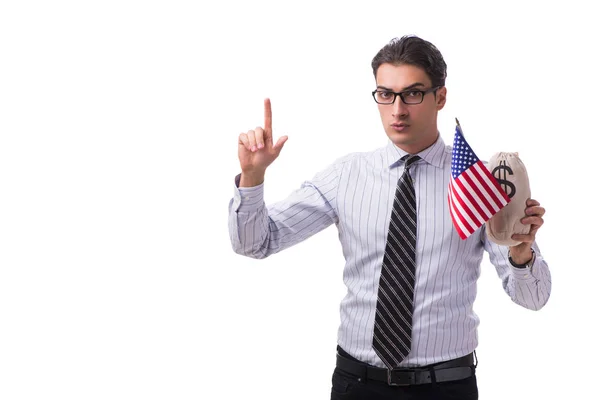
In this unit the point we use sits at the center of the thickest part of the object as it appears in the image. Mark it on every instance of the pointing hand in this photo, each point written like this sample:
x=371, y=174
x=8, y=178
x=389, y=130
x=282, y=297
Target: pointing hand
x=256, y=150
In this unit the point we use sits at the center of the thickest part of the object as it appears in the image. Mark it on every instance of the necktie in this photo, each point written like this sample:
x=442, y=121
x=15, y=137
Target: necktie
x=393, y=317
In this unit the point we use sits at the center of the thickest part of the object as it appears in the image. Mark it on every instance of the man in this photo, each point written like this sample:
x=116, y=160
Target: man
x=408, y=330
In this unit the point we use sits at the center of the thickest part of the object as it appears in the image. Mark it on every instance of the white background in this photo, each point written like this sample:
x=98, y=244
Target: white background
x=118, y=148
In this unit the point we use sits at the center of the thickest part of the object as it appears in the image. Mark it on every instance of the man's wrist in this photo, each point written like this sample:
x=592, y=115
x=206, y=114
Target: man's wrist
x=520, y=260
x=251, y=179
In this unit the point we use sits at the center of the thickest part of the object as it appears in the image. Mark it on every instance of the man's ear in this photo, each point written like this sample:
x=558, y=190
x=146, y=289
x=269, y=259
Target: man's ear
x=440, y=97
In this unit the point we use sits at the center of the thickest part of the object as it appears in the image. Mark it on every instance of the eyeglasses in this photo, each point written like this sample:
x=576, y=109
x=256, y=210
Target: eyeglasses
x=411, y=96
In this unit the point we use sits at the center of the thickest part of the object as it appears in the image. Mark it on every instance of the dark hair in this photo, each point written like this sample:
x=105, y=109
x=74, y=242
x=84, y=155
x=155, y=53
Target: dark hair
x=413, y=50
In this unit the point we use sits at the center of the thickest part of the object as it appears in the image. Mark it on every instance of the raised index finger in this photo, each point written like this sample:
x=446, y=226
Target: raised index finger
x=268, y=118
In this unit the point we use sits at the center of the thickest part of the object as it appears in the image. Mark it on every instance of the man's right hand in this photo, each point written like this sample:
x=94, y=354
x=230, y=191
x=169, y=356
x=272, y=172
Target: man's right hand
x=256, y=151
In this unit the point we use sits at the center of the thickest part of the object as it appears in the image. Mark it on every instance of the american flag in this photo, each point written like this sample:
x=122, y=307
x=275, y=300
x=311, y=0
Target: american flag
x=474, y=195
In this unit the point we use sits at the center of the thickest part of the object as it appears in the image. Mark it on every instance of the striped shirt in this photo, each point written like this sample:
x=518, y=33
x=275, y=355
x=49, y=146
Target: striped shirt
x=356, y=194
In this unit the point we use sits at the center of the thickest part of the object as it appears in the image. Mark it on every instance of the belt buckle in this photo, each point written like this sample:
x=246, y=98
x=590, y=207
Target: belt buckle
x=401, y=377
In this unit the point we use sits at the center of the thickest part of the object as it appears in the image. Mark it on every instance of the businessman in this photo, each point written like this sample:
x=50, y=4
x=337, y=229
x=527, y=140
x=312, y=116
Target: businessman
x=408, y=329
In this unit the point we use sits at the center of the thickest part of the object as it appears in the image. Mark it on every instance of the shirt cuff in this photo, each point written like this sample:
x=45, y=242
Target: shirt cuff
x=529, y=272
x=247, y=199
x=524, y=274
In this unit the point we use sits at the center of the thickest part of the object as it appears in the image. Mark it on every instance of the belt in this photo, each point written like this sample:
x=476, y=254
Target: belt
x=460, y=368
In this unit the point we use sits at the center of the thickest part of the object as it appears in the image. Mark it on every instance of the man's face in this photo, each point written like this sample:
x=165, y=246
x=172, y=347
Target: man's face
x=412, y=127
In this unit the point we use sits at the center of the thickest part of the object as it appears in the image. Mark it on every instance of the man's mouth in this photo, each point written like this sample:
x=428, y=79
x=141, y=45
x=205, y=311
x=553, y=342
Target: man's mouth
x=399, y=126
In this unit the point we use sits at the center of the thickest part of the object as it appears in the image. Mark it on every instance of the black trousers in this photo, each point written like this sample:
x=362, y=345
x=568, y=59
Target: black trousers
x=348, y=387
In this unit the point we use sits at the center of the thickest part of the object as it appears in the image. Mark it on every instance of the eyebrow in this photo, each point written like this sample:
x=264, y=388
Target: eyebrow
x=414, y=85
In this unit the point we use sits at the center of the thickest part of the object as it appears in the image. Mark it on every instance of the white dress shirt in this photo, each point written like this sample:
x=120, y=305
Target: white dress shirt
x=356, y=194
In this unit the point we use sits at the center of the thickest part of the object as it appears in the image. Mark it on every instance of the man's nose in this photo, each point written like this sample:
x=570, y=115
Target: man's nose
x=398, y=107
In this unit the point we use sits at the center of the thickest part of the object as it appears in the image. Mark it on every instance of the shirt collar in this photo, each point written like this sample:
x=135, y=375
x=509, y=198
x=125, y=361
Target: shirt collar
x=433, y=155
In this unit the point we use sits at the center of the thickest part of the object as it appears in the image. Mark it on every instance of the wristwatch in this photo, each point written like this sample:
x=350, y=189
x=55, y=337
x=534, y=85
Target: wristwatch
x=527, y=264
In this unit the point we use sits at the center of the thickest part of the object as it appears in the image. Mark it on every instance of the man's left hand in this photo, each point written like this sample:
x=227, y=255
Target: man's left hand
x=521, y=253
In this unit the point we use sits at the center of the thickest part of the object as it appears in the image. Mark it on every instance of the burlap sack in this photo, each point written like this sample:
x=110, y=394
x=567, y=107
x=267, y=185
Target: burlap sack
x=510, y=172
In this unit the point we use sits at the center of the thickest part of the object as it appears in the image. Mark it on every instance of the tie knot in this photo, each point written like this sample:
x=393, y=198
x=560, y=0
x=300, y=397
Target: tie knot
x=410, y=159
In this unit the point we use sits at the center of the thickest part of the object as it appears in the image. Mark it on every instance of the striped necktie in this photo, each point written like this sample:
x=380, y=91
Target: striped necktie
x=393, y=317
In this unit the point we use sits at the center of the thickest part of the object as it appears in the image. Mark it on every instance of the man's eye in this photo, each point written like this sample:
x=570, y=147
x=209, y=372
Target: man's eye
x=412, y=93
x=385, y=95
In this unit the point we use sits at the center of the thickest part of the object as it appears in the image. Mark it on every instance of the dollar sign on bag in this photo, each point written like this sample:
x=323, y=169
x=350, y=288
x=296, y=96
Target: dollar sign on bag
x=502, y=169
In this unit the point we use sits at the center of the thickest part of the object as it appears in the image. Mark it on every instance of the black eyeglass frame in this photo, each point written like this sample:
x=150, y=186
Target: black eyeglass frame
x=401, y=94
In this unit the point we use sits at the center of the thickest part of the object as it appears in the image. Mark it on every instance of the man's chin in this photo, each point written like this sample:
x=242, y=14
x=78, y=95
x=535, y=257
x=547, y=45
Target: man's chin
x=410, y=143
x=401, y=137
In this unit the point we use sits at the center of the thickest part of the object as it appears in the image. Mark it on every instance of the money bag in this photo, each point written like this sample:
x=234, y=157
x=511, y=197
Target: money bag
x=510, y=172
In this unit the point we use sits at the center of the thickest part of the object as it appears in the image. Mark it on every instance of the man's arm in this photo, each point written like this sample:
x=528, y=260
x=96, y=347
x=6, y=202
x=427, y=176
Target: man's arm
x=258, y=231
x=528, y=286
